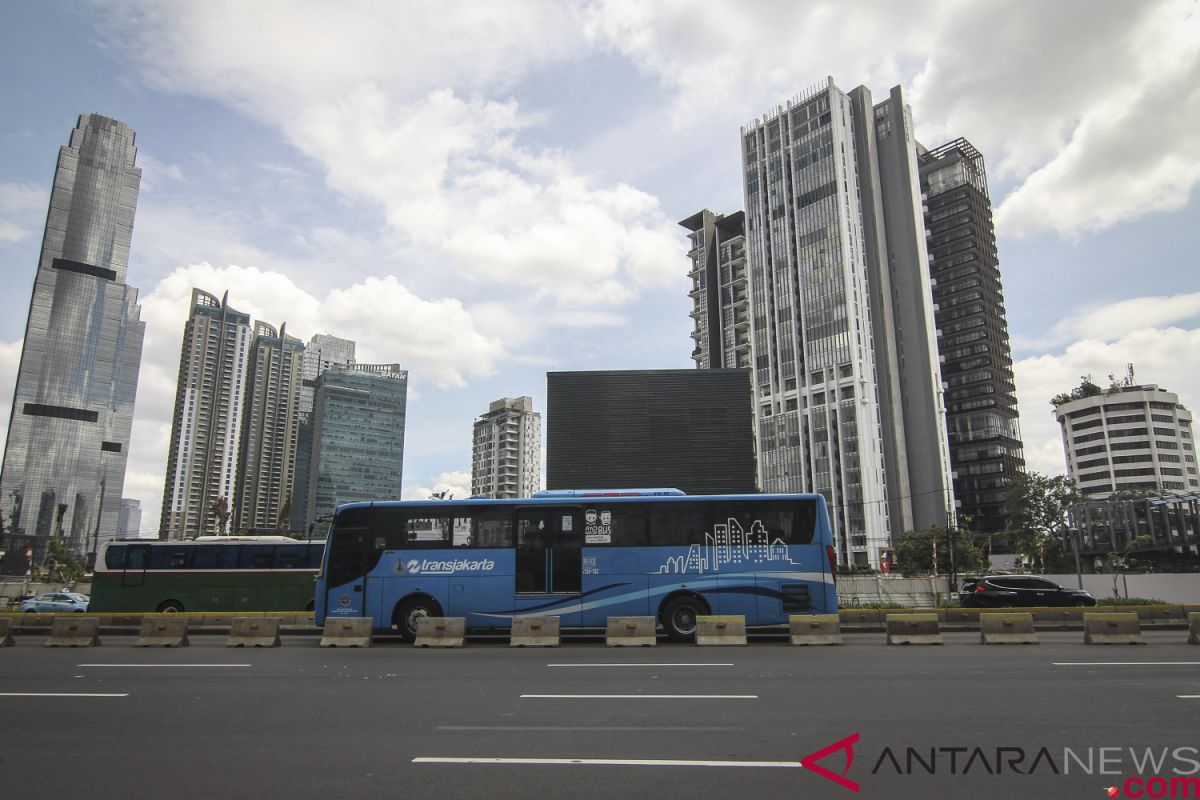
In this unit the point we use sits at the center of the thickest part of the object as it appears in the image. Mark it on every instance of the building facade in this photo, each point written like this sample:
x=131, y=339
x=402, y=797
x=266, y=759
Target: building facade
x=131, y=519
x=846, y=377
x=68, y=433
x=1129, y=437
x=506, y=450
x=689, y=429
x=321, y=352
x=981, y=400
x=270, y=430
x=206, y=430
x=720, y=295
x=358, y=423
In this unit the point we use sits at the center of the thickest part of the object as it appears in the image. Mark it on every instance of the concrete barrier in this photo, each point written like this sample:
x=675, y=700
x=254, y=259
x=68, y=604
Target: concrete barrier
x=347, y=632
x=1194, y=627
x=720, y=630
x=1122, y=628
x=441, y=632
x=535, y=632
x=815, y=629
x=631, y=632
x=913, y=629
x=860, y=616
x=253, y=632
x=1007, y=628
x=212, y=620
x=6, y=639
x=162, y=631
x=74, y=631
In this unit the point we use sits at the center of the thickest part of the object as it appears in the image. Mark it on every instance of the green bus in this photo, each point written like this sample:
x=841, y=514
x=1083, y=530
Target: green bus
x=209, y=573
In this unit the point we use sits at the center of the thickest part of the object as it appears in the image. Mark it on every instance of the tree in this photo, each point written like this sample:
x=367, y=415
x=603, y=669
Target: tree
x=444, y=494
x=1035, y=515
x=220, y=507
x=61, y=566
x=914, y=551
x=285, y=515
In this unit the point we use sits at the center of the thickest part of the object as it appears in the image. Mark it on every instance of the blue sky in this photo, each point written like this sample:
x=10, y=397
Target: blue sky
x=484, y=192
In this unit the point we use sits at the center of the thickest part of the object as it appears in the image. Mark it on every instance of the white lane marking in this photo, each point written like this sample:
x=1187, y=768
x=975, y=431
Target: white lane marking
x=592, y=728
x=612, y=762
x=1188, y=696
x=163, y=665
x=639, y=665
x=640, y=696
x=58, y=694
x=1126, y=663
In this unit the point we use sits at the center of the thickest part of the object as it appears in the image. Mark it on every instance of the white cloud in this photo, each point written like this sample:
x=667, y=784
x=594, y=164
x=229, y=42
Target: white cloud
x=21, y=205
x=10, y=361
x=457, y=484
x=1115, y=320
x=1160, y=356
x=155, y=172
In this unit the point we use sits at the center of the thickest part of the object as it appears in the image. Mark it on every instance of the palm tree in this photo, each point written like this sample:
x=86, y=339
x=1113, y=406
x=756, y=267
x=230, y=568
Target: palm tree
x=220, y=507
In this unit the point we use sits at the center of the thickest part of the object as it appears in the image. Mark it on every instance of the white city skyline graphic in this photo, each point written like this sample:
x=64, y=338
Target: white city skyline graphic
x=729, y=544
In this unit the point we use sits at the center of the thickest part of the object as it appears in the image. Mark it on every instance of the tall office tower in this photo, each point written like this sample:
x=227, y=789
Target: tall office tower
x=270, y=429
x=720, y=297
x=358, y=436
x=1131, y=437
x=981, y=399
x=847, y=383
x=68, y=434
x=320, y=353
x=506, y=450
x=207, y=428
x=130, y=523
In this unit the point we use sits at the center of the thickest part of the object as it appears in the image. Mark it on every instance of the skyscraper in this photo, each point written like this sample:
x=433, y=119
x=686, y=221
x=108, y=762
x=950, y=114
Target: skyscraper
x=981, y=398
x=270, y=429
x=506, y=450
x=207, y=427
x=847, y=385
x=321, y=352
x=68, y=434
x=358, y=436
x=720, y=297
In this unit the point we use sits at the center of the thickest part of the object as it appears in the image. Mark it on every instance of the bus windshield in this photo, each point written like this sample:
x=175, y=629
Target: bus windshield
x=581, y=556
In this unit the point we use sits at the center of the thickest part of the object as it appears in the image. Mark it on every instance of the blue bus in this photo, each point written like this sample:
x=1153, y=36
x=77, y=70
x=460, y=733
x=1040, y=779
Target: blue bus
x=580, y=555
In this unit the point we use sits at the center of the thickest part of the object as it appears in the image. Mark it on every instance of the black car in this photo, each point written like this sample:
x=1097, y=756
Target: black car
x=1003, y=591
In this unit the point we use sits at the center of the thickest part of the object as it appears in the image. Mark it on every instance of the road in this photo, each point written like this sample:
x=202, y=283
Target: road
x=488, y=721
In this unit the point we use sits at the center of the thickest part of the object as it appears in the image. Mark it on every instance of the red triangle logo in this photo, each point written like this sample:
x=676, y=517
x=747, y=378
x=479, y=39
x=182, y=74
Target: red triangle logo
x=847, y=745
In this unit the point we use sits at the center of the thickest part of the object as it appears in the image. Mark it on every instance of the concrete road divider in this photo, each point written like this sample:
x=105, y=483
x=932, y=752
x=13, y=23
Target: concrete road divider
x=73, y=631
x=1122, y=628
x=913, y=629
x=254, y=632
x=6, y=639
x=631, y=632
x=1007, y=628
x=717, y=630
x=535, y=632
x=347, y=632
x=815, y=629
x=167, y=630
x=441, y=631
x=1194, y=627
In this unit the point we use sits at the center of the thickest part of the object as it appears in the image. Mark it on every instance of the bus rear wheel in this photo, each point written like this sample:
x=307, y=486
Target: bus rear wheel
x=410, y=612
x=679, y=617
x=170, y=607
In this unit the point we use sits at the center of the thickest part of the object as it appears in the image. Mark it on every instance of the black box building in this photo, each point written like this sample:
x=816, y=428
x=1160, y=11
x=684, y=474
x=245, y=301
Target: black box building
x=683, y=428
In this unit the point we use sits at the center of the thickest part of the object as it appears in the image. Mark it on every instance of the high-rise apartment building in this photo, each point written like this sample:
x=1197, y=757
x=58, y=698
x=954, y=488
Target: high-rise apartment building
x=270, y=429
x=981, y=399
x=1130, y=437
x=321, y=352
x=720, y=296
x=506, y=450
x=68, y=434
x=847, y=385
x=358, y=436
x=207, y=427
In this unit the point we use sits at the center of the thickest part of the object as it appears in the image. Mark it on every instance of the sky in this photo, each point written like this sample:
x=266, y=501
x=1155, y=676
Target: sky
x=484, y=192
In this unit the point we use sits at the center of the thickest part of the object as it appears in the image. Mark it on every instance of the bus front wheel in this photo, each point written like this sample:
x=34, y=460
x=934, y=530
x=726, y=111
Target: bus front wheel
x=170, y=607
x=679, y=617
x=410, y=612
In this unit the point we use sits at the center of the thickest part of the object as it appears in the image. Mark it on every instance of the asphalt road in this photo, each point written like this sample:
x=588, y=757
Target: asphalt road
x=672, y=721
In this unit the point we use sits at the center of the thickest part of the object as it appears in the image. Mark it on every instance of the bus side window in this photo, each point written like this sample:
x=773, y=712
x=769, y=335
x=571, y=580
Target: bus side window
x=171, y=558
x=208, y=556
x=114, y=557
x=136, y=559
x=290, y=556
x=258, y=556
x=429, y=531
x=680, y=524
x=492, y=528
x=617, y=525
x=314, y=552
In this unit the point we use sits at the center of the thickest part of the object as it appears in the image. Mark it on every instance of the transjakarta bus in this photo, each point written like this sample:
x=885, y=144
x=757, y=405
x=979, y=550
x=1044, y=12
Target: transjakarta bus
x=209, y=573
x=580, y=555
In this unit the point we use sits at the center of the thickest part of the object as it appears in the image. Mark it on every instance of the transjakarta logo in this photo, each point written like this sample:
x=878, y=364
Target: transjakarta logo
x=426, y=567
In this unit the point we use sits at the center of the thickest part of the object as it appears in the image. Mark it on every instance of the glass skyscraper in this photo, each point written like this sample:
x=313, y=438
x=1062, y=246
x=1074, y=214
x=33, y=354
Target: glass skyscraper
x=68, y=435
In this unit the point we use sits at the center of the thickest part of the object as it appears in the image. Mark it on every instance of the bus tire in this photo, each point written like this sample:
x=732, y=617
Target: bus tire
x=409, y=611
x=679, y=614
x=170, y=607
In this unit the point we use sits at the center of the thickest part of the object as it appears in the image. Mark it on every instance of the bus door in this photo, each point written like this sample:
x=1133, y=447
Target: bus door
x=549, y=562
x=137, y=559
x=349, y=550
